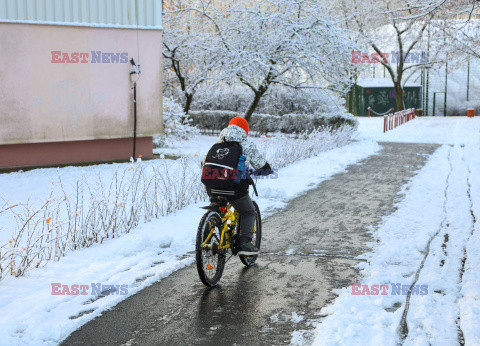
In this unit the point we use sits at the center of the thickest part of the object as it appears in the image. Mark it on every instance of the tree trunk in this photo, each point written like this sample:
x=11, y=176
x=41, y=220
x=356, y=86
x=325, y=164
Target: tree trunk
x=350, y=99
x=188, y=102
x=399, y=96
x=253, y=105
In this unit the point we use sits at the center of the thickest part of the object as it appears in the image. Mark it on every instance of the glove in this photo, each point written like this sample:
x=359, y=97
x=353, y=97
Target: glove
x=264, y=170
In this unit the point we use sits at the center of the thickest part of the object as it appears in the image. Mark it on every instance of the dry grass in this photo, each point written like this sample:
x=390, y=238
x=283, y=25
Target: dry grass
x=97, y=210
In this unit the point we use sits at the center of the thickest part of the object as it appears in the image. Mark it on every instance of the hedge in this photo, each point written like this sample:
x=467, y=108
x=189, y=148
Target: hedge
x=215, y=121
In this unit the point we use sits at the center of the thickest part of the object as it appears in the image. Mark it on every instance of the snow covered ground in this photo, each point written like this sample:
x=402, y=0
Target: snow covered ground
x=197, y=145
x=441, y=130
x=31, y=314
x=430, y=242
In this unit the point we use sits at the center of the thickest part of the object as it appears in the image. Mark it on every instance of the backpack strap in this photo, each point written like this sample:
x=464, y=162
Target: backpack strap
x=218, y=165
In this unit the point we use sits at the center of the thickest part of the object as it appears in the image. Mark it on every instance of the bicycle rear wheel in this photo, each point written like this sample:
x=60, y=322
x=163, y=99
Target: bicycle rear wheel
x=210, y=260
x=256, y=240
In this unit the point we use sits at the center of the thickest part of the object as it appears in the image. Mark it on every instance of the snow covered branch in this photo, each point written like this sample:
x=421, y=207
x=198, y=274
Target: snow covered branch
x=258, y=44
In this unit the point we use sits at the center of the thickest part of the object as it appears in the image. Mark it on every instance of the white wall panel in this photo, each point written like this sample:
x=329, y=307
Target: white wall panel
x=118, y=13
x=31, y=10
x=131, y=12
x=67, y=11
x=49, y=10
x=11, y=8
x=144, y=14
x=83, y=15
x=76, y=8
x=21, y=10
x=39, y=10
x=93, y=11
x=3, y=10
x=58, y=8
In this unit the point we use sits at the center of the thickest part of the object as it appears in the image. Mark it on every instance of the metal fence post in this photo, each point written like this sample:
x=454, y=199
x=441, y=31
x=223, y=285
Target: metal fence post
x=445, y=99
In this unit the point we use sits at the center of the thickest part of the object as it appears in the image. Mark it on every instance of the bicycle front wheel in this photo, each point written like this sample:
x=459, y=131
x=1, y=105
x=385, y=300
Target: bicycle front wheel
x=256, y=240
x=210, y=259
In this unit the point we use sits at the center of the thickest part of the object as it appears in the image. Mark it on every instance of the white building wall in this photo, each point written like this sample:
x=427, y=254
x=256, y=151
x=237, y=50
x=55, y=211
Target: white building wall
x=142, y=14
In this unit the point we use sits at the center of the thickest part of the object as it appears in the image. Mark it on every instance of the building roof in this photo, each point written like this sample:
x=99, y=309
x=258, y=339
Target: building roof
x=130, y=14
x=382, y=83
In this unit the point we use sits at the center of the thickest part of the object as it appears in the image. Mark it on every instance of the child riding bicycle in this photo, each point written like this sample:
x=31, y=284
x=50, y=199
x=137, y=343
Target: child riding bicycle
x=224, y=155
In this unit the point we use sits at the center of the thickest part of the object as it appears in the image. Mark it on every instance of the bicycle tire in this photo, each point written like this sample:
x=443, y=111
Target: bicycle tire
x=209, y=276
x=257, y=238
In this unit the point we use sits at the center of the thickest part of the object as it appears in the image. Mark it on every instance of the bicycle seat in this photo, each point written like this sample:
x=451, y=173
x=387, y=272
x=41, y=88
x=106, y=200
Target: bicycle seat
x=219, y=200
x=217, y=203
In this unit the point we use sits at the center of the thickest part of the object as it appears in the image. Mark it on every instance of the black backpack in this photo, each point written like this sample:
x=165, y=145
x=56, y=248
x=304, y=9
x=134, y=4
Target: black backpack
x=220, y=167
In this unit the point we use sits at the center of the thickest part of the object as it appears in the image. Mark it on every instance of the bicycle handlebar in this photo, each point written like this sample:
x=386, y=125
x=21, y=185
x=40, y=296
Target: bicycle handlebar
x=250, y=171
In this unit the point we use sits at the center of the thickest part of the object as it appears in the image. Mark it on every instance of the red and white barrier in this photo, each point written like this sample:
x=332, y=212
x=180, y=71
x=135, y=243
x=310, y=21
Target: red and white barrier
x=394, y=120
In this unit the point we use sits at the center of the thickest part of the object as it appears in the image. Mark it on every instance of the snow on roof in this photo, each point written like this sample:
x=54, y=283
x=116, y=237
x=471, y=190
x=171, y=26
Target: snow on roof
x=382, y=83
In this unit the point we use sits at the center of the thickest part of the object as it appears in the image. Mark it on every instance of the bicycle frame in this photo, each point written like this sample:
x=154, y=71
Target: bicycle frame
x=218, y=239
x=230, y=214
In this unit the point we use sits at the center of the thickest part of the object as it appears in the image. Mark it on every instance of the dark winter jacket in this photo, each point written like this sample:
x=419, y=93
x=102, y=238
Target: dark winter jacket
x=253, y=157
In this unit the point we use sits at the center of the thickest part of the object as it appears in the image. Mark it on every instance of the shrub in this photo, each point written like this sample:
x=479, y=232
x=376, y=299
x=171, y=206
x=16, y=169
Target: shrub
x=282, y=150
x=176, y=124
x=96, y=210
x=212, y=120
x=278, y=100
x=265, y=123
x=460, y=108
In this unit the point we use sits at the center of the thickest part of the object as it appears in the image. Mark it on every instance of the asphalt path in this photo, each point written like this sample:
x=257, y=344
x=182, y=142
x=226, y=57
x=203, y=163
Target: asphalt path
x=308, y=249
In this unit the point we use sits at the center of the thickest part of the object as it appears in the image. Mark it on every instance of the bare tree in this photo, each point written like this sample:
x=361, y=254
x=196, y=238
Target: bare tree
x=399, y=24
x=190, y=50
x=415, y=9
x=456, y=21
x=463, y=31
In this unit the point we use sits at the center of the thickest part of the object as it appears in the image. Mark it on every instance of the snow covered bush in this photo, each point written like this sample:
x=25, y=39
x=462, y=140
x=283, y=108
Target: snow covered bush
x=215, y=121
x=475, y=104
x=282, y=150
x=212, y=120
x=266, y=123
x=282, y=100
x=221, y=96
x=459, y=108
x=96, y=210
x=176, y=124
x=278, y=101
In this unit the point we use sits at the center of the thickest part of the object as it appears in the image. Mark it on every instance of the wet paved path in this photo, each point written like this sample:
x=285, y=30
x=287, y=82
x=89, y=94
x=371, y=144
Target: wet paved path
x=308, y=249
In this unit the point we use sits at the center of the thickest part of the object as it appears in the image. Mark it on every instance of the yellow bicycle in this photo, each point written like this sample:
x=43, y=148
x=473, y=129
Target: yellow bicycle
x=218, y=239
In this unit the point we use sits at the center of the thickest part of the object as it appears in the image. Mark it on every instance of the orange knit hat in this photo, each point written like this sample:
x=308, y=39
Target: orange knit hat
x=240, y=122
